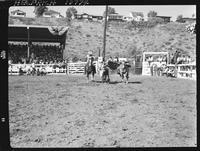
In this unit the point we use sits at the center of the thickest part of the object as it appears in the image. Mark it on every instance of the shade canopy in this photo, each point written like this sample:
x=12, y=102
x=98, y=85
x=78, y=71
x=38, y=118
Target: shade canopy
x=36, y=33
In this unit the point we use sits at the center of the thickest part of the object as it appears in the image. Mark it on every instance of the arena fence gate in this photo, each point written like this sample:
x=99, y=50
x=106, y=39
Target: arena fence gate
x=78, y=68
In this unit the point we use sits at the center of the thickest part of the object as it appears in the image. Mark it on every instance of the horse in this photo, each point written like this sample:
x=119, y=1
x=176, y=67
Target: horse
x=90, y=69
x=123, y=71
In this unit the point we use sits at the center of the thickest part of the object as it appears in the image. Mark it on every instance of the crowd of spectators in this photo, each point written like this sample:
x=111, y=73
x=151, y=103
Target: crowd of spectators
x=174, y=58
x=150, y=59
x=181, y=59
x=38, y=54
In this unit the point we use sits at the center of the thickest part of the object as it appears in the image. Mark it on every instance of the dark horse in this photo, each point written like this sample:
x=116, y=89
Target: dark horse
x=90, y=68
x=123, y=71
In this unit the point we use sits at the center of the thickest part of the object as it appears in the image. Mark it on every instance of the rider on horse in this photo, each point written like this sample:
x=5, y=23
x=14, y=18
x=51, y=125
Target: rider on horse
x=90, y=66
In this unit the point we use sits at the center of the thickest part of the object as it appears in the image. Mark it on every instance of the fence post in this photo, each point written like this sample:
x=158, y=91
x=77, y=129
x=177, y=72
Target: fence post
x=68, y=68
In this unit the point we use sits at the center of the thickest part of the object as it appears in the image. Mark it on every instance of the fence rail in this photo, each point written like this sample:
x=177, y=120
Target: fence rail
x=70, y=68
x=187, y=71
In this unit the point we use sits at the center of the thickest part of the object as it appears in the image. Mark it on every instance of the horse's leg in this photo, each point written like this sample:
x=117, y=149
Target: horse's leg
x=127, y=76
x=87, y=77
x=92, y=78
x=122, y=76
x=108, y=75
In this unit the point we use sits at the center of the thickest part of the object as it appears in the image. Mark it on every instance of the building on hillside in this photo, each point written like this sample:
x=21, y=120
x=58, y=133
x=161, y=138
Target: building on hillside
x=86, y=16
x=18, y=13
x=137, y=16
x=165, y=18
x=52, y=14
x=188, y=20
x=128, y=18
x=97, y=18
x=77, y=16
x=115, y=17
x=90, y=17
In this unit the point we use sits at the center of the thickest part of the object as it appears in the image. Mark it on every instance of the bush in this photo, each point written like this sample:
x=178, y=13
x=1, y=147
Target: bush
x=87, y=35
x=131, y=51
x=75, y=59
x=152, y=22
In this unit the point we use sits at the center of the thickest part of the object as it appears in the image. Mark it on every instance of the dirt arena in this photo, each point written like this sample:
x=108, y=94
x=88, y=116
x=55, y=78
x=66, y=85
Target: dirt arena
x=66, y=111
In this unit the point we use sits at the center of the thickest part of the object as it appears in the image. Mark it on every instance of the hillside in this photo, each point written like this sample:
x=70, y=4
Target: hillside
x=121, y=41
x=84, y=36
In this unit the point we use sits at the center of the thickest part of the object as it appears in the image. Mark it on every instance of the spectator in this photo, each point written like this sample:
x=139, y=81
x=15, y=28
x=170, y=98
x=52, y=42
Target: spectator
x=160, y=59
x=150, y=59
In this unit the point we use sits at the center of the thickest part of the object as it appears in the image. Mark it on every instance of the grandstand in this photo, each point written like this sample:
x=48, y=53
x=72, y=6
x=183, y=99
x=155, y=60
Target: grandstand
x=27, y=35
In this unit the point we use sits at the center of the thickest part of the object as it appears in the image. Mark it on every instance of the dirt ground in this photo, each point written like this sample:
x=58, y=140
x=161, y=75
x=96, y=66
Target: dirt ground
x=66, y=111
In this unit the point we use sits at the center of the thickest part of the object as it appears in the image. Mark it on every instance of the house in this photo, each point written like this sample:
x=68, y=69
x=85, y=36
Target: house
x=85, y=16
x=52, y=14
x=97, y=18
x=115, y=17
x=78, y=16
x=18, y=13
x=137, y=16
x=165, y=18
x=89, y=17
x=127, y=18
x=188, y=20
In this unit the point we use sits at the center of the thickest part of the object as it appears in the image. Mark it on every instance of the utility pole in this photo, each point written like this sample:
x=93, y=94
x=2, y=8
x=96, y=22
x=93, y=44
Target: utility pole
x=28, y=48
x=104, y=39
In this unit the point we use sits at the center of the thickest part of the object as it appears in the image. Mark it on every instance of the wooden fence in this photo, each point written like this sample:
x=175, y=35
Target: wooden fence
x=70, y=68
x=187, y=71
x=14, y=68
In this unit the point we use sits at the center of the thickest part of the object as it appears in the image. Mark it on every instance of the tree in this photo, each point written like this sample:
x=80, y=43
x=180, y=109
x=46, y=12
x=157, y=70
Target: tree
x=179, y=18
x=71, y=11
x=152, y=13
x=110, y=11
x=153, y=21
x=39, y=10
x=132, y=50
x=139, y=14
x=75, y=59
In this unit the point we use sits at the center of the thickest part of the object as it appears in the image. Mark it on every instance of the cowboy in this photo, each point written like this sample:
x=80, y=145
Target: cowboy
x=90, y=59
x=104, y=71
x=90, y=56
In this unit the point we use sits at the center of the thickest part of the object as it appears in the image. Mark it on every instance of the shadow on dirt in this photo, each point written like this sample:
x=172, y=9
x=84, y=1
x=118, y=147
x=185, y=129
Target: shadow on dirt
x=116, y=82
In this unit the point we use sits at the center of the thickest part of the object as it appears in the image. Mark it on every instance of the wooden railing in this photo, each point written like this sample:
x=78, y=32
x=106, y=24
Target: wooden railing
x=187, y=71
x=14, y=68
x=71, y=68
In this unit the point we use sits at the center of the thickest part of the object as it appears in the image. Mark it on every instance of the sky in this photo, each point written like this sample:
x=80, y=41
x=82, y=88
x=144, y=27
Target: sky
x=162, y=10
